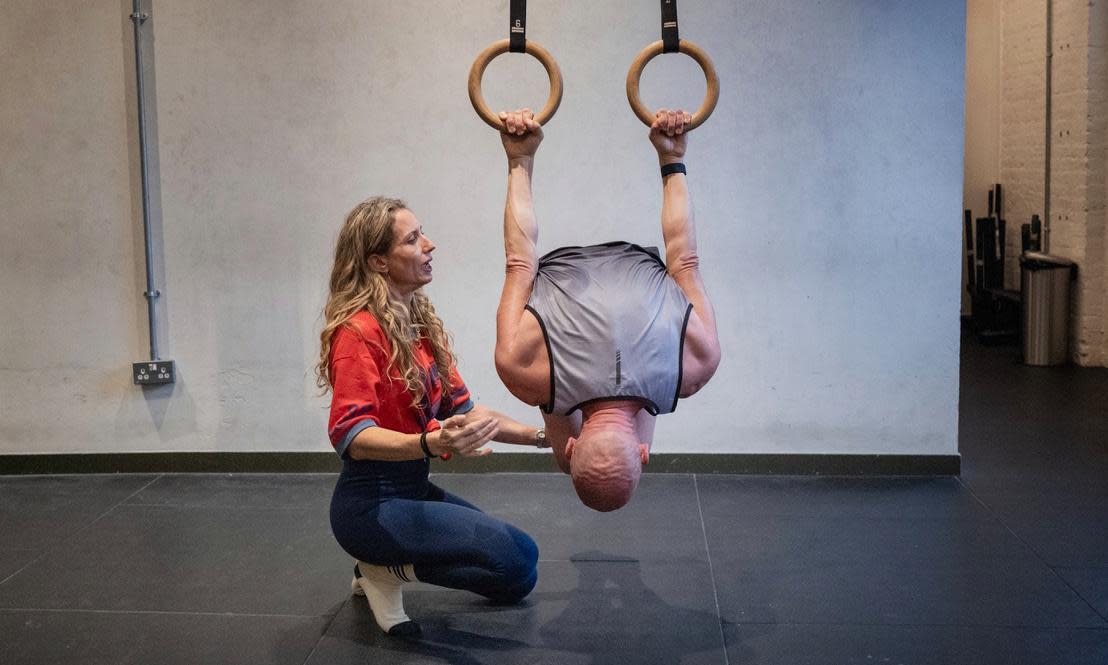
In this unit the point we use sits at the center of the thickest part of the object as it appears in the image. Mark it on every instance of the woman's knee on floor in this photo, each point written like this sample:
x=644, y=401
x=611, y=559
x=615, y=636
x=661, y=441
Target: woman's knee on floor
x=514, y=588
x=519, y=569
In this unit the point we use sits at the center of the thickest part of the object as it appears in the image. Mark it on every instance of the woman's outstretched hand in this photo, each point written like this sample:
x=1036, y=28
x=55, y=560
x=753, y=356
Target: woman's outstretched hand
x=458, y=437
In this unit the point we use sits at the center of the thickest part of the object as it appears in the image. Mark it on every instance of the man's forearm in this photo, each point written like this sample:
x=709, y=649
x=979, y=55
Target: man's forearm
x=511, y=430
x=677, y=224
x=520, y=229
x=520, y=236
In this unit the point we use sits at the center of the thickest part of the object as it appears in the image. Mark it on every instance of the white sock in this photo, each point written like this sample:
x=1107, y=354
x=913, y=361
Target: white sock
x=381, y=585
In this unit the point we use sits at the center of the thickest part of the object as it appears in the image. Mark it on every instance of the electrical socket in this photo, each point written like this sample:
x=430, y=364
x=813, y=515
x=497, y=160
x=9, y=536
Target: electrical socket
x=154, y=372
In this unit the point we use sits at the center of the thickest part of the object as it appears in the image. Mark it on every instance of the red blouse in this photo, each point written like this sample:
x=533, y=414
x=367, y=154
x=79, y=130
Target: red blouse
x=367, y=395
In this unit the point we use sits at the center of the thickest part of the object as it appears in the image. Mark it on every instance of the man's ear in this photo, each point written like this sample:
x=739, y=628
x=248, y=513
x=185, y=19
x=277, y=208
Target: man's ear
x=644, y=453
x=377, y=263
x=570, y=443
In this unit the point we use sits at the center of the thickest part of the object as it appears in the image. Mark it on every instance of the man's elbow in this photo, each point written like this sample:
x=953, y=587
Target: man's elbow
x=517, y=264
x=685, y=262
x=707, y=362
x=507, y=369
x=712, y=356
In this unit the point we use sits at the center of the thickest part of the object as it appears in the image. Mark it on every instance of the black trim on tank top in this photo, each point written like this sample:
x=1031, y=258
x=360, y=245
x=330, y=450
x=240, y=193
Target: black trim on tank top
x=549, y=406
x=681, y=357
x=647, y=404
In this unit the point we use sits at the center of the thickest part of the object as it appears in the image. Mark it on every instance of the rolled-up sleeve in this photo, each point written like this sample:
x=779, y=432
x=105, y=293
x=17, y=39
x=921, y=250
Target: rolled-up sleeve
x=356, y=372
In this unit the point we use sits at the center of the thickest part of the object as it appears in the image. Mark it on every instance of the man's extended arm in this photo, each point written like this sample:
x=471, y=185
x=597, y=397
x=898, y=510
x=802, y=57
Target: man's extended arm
x=682, y=261
x=513, y=357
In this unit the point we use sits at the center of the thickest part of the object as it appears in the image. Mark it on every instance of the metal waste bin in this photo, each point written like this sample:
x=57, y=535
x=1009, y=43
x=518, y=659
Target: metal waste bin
x=1045, y=296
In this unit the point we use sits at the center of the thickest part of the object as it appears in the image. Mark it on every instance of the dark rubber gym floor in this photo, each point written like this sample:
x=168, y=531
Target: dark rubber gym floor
x=1008, y=564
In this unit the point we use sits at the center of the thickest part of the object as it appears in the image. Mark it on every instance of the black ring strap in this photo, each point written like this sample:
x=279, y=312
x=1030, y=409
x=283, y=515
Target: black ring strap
x=517, y=27
x=670, y=37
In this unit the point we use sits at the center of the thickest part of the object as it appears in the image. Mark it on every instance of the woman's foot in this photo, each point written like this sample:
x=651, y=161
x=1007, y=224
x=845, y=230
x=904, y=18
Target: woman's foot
x=381, y=585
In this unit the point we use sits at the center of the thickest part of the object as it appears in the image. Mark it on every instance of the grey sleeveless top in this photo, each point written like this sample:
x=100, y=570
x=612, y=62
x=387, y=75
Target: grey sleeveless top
x=614, y=324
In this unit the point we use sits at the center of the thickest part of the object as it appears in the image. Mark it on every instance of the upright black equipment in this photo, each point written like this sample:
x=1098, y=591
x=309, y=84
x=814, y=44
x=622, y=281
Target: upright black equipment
x=995, y=310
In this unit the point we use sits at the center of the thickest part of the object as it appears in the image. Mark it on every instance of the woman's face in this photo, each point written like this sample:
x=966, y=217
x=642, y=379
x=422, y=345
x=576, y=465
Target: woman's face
x=407, y=264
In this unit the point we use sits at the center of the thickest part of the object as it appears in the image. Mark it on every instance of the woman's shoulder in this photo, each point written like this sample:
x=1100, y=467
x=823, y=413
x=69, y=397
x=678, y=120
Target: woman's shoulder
x=362, y=326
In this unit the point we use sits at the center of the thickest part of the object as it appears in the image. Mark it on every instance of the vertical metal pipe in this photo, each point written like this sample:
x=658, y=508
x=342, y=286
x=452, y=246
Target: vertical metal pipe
x=138, y=18
x=1049, y=138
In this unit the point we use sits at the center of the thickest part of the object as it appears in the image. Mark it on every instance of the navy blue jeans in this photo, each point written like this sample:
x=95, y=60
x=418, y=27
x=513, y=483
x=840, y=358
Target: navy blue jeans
x=389, y=513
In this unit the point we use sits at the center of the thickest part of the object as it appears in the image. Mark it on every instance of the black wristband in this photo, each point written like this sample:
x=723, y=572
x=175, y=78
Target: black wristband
x=423, y=445
x=676, y=167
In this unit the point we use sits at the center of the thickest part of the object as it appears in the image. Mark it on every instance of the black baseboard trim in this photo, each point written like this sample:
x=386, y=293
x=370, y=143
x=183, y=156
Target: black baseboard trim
x=704, y=463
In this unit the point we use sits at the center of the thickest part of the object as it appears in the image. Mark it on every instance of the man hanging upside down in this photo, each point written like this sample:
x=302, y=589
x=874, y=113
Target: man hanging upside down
x=603, y=338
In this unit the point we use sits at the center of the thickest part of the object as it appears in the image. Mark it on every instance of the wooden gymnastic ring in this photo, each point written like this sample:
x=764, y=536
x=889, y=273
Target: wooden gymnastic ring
x=711, y=96
x=478, y=70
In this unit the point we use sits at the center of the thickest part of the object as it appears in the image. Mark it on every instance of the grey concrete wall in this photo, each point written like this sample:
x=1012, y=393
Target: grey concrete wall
x=825, y=188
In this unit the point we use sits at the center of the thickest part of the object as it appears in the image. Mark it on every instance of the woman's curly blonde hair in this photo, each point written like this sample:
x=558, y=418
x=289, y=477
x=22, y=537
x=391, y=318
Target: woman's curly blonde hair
x=355, y=287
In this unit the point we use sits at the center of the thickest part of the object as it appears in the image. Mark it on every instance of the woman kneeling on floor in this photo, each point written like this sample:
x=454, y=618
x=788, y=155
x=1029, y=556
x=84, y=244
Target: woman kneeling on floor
x=397, y=402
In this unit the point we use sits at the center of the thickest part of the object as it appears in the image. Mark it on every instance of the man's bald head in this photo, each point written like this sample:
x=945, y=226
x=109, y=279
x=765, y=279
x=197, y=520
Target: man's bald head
x=605, y=464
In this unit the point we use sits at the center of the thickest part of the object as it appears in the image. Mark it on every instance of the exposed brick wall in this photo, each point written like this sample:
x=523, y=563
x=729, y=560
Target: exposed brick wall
x=1078, y=225
x=1069, y=151
x=1079, y=169
x=1022, y=119
x=1094, y=290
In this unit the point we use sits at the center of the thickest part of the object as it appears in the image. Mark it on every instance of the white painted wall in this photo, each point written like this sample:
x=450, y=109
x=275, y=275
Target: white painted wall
x=823, y=188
